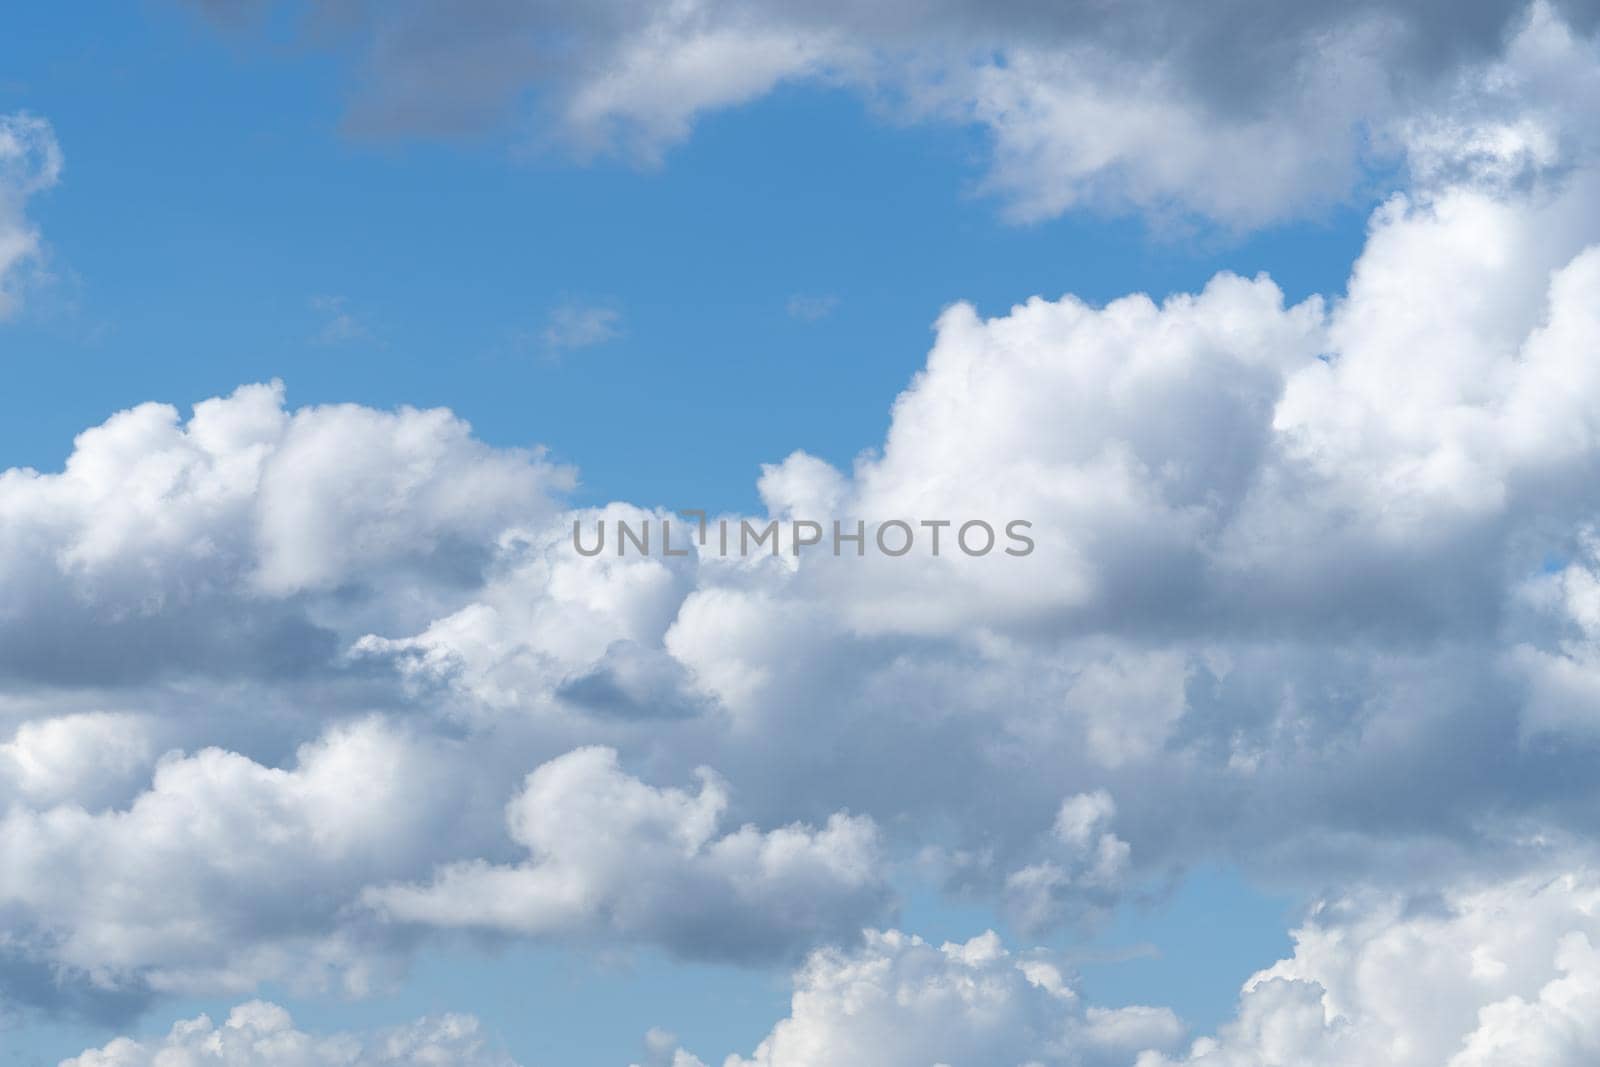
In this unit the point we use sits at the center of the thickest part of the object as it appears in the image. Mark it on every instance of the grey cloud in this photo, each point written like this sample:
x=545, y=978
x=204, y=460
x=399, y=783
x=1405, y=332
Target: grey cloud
x=33, y=987
x=634, y=682
x=611, y=856
x=1245, y=113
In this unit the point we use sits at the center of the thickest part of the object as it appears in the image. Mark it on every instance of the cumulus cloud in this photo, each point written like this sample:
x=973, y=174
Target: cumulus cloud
x=1285, y=555
x=259, y=1034
x=1174, y=677
x=891, y=1000
x=30, y=162
x=1506, y=974
x=1314, y=593
x=87, y=758
x=1502, y=973
x=223, y=872
x=200, y=544
x=663, y=1050
x=1245, y=116
x=1562, y=671
x=897, y=1001
x=549, y=623
x=615, y=855
x=1087, y=867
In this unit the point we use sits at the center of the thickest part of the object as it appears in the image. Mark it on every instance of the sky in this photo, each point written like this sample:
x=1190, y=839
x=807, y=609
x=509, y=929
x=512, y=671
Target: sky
x=325, y=325
x=795, y=240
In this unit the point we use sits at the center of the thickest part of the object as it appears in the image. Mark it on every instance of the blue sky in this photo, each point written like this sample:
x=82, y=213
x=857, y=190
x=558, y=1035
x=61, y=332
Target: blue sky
x=195, y=231
x=1284, y=647
x=1191, y=948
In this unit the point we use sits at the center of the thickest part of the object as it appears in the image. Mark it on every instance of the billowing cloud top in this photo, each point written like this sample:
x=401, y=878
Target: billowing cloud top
x=259, y=1034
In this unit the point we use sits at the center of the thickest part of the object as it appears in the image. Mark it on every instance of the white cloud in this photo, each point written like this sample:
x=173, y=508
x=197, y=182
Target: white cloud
x=223, y=872
x=88, y=758
x=1563, y=673
x=1313, y=594
x=1505, y=975
x=1085, y=870
x=1245, y=117
x=1280, y=550
x=664, y=1051
x=1285, y=556
x=30, y=162
x=574, y=326
x=238, y=541
x=897, y=1001
x=674, y=65
x=259, y=1034
x=615, y=856
x=1086, y=128
x=547, y=620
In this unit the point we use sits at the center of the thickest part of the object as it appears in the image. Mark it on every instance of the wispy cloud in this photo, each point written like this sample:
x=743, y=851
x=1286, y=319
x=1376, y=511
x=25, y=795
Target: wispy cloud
x=30, y=162
x=810, y=308
x=339, y=325
x=572, y=326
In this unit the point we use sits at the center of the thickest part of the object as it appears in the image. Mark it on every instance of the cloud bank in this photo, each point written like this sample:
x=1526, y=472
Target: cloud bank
x=1312, y=596
x=291, y=692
